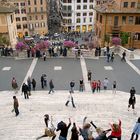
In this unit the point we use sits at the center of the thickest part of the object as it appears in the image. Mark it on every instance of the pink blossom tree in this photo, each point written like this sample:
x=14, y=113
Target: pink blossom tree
x=69, y=44
x=20, y=46
x=42, y=45
x=116, y=41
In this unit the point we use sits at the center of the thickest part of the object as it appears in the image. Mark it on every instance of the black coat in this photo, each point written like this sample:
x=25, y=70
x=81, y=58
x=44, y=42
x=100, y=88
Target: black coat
x=25, y=88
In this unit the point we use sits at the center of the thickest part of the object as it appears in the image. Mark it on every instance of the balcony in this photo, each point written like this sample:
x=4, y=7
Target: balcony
x=116, y=29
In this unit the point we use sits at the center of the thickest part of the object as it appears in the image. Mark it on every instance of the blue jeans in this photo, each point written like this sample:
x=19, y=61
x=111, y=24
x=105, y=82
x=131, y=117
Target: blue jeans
x=62, y=138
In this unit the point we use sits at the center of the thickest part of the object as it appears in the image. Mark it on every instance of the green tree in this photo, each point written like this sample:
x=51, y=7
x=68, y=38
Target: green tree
x=4, y=40
x=124, y=37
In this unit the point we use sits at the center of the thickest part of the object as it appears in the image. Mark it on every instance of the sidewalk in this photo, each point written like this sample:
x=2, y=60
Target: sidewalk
x=102, y=108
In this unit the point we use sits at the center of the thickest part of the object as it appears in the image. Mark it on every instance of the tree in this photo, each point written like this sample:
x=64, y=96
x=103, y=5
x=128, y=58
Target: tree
x=20, y=46
x=4, y=40
x=116, y=41
x=124, y=37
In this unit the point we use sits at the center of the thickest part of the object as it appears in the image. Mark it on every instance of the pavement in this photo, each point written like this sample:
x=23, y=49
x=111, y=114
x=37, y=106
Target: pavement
x=102, y=108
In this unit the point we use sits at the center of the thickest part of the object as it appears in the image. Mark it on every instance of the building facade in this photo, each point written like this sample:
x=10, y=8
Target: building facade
x=21, y=18
x=77, y=15
x=8, y=24
x=31, y=17
x=114, y=17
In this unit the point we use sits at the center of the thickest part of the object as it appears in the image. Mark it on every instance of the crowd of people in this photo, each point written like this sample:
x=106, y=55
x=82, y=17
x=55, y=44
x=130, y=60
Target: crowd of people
x=86, y=130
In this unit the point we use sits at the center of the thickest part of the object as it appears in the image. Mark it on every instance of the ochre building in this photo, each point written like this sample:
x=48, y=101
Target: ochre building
x=116, y=16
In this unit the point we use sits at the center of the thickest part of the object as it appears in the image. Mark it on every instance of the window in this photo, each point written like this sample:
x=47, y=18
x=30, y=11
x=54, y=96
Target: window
x=90, y=6
x=109, y=20
x=36, y=17
x=78, y=20
x=90, y=19
x=30, y=17
x=69, y=21
x=100, y=18
x=36, y=25
x=17, y=11
x=23, y=11
x=69, y=1
x=133, y=4
x=84, y=20
x=19, y=26
x=11, y=18
x=17, y=18
x=130, y=19
x=123, y=19
x=29, y=9
x=25, y=26
x=69, y=8
x=78, y=14
x=137, y=21
x=90, y=14
x=78, y=1
x=16, y=4
x=29, y=3
x=84, y=14
x=78, y=7
x=41, y=2
x=34, y=2
x=41, y=9
x=35, y=9
x=125, y=4
x=24, y=18
x=22, y=4
x=42, y=17
x=84, y=1
x=91, y=0
x=85, y=7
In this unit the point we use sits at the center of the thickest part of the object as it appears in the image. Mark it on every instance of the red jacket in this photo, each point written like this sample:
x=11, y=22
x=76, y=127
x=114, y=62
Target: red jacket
x=94, y=84
x=118, y=132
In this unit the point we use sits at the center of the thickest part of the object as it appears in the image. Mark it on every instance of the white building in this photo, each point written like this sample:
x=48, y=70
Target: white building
x=77, y=15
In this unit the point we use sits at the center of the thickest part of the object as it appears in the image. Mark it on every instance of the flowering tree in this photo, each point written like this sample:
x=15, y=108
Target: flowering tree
x=20, y=46
x=42, y=45
x=116, y=41
x=69, y=44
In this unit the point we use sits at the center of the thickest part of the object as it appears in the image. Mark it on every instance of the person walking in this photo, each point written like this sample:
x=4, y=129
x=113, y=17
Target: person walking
x=98, y=86
x=72, y=84
x=81, y=85
x=16, y=105
x=114, y=87
x=74, y=134
x=51, y=85
x=123, y=56
x=70, y=99
x=64, y=130
x=132, y=102
x=42, y=81
x=44, y=56
x=112, y=57
x=33, y=84
x=89, y=75
x=116, y=131
x=29, y=83
x=50, y=129
x=132, y=91
x=105, y=83
x=94, y=86
x=136, y=130
x=108, y=56
x=14, y=85
x=25, y=90
x=45, y=80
